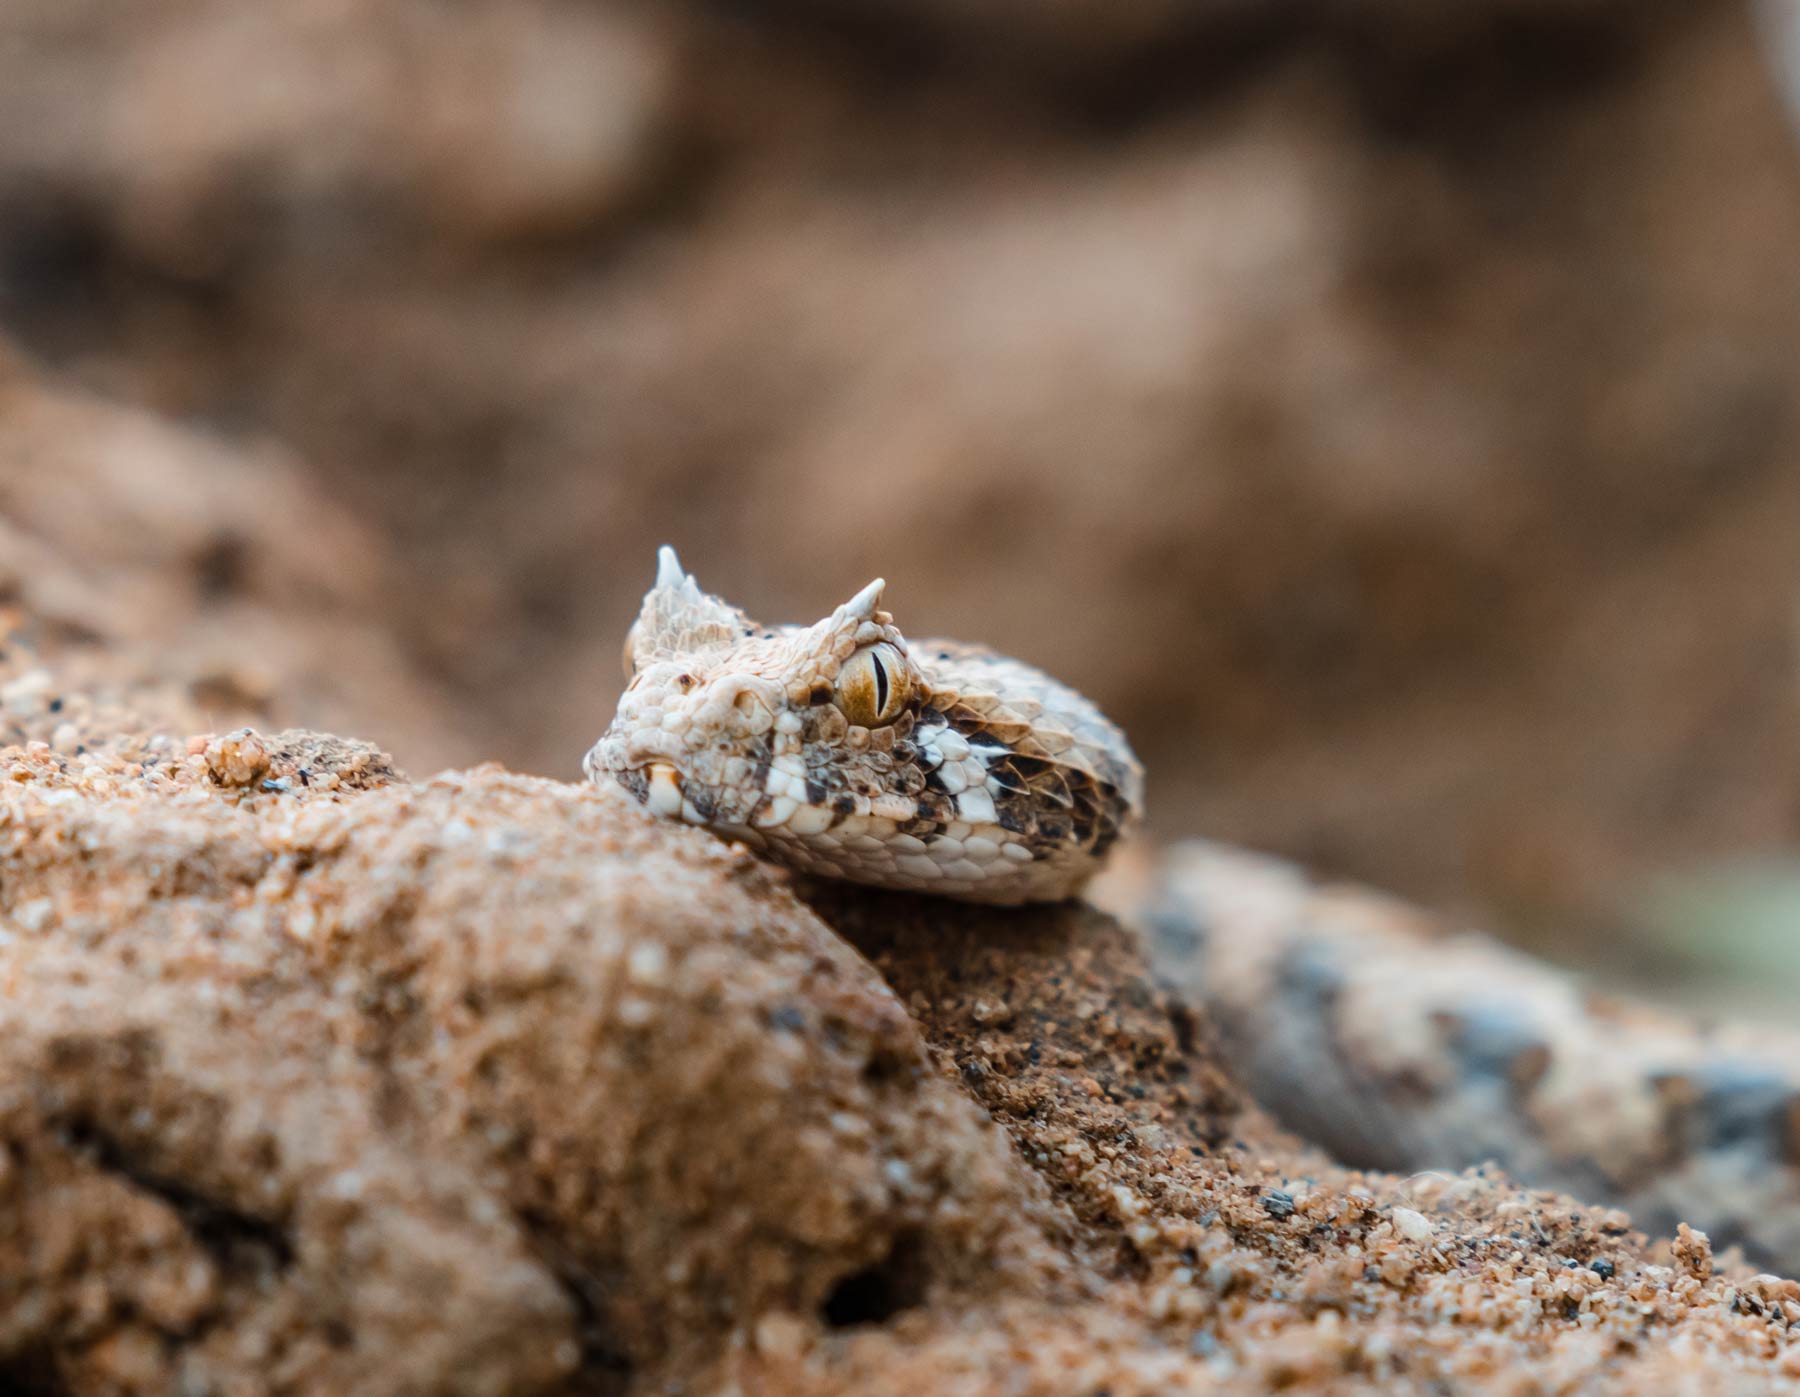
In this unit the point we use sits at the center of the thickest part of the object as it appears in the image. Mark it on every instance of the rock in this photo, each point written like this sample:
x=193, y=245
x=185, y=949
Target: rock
x=493, y=1084
x=453, y=1087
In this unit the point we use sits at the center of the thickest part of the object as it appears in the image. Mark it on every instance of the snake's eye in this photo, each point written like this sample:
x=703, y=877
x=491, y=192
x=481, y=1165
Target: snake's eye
x=873, y=686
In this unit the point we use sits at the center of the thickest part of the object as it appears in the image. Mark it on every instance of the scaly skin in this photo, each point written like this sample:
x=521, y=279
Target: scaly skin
x=1400, y=1044
x=983, y=779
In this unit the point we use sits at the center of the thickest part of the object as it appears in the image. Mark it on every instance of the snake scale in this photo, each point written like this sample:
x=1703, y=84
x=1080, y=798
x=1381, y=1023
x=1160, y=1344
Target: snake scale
x=848, y=751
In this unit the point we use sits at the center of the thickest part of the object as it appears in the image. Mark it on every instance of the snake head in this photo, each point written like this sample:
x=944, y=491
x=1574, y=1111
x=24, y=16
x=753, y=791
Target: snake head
x=733, y=724
x=837, y=748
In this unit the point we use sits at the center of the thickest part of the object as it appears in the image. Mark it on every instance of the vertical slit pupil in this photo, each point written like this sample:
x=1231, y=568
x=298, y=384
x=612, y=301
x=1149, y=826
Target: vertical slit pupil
x=881, y=684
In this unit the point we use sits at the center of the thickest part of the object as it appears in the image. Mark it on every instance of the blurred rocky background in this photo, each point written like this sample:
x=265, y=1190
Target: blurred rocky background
x=1390, y=412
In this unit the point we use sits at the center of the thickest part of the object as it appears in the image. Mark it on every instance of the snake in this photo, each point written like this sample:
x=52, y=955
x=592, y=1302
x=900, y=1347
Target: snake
x=845, y=750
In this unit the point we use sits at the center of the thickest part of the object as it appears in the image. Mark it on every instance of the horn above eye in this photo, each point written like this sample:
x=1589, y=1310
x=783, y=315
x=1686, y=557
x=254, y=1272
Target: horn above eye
x=873, y=686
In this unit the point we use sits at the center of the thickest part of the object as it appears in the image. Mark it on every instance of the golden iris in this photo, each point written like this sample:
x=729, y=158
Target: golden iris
x=873, y=686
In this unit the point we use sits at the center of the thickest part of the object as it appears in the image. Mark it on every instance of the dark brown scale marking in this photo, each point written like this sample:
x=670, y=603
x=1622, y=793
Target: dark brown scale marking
x=821, y=693
x=936, y=807
x=815, y=793
x=921, y=827
x=844, y=805
x=1002, y=775
x=1109, y=831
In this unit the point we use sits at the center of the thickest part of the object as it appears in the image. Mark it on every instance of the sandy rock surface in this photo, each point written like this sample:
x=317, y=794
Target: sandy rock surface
x=318, y=1080
x=474, y=1086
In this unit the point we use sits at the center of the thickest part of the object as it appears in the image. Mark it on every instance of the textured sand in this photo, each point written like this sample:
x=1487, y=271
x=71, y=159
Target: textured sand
x=317, y=1080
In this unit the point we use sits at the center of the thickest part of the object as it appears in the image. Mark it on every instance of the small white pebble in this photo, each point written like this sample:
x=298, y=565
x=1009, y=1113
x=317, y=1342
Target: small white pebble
x=648, y=963
x=347, y=1184
x=781, y=1335
x=34, y=914
x=1413, y=1226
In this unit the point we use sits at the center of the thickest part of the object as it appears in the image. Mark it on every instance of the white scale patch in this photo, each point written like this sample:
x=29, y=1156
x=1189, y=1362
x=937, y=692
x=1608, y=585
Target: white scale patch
x=977, y=807
x=962, y=769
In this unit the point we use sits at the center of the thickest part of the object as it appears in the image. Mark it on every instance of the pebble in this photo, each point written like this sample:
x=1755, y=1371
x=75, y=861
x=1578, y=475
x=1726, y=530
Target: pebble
x=1412, y=1225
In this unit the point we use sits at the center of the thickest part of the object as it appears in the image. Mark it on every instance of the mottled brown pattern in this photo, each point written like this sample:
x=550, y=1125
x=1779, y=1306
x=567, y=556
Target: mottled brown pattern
x=1402, y=1043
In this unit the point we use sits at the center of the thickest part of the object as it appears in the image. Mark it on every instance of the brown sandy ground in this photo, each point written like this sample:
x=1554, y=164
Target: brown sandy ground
x=318, y=1081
